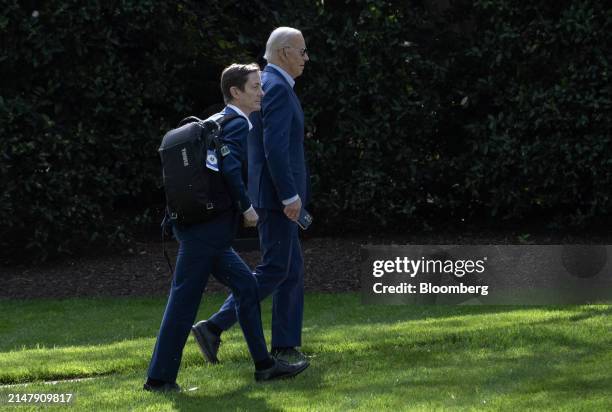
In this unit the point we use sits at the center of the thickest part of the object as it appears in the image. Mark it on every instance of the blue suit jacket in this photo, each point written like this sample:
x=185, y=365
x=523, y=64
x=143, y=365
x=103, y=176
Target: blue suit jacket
x=277, y=166
x=234, y=135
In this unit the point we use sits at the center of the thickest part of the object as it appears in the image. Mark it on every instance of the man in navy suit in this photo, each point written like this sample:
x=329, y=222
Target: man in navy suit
x=206, y=248
x=278, y=188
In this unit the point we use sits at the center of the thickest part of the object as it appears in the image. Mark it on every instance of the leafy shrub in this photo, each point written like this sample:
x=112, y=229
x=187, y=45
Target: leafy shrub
x=417, y=117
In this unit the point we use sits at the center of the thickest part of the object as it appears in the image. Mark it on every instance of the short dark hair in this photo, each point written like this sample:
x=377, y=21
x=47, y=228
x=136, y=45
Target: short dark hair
x=235, y=75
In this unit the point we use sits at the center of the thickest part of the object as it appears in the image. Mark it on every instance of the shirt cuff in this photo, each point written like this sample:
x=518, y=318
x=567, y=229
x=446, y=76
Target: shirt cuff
x=291, y=200
x=247, y=211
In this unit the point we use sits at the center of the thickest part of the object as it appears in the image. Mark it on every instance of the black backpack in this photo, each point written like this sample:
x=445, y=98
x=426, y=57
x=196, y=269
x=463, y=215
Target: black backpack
x=194, y=193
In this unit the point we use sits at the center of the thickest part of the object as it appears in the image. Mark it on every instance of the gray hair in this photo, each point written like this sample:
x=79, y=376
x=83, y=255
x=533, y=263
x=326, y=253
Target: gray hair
x=278, y=39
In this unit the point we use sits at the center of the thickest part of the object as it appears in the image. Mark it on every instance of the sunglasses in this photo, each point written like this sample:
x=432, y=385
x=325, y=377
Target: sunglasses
x=301, y=51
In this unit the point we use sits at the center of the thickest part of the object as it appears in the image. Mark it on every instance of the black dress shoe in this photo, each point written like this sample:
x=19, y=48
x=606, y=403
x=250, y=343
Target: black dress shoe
x=281, y=370
x=165, y=387
x=207, y=341
x=289, y=355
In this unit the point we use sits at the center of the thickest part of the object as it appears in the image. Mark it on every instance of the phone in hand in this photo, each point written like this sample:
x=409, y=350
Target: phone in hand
x=305, y=219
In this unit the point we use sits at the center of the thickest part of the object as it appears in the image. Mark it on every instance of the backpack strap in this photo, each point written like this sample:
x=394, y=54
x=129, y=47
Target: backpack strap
x=226, y=119
x=207, y=125
x=190, y=119
x=221, y=122
x=166, y=231
x=214, y=137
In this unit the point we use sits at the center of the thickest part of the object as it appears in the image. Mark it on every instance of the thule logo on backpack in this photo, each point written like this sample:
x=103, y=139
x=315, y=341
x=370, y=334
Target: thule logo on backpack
x=185, y=159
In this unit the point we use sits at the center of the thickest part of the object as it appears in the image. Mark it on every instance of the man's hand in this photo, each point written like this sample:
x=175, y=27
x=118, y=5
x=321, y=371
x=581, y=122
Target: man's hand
x=250, y=217
x=292, y=210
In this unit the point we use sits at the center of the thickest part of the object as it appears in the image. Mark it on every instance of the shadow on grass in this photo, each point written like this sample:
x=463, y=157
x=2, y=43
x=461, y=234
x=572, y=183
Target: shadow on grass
x=64, y=323
x=252, y=396
x=536, y=365
x=473, y=366
x=567, y=371
x=370, y=337
x=452, y=337
x=232, y=400
x=541, y=380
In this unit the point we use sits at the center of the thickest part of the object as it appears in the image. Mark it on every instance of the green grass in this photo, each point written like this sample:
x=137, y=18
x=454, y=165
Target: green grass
x=363, y=357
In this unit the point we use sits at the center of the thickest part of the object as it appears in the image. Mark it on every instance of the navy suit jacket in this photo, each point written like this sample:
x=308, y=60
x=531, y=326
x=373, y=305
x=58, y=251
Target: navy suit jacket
x=234, y=135
x=277, y=165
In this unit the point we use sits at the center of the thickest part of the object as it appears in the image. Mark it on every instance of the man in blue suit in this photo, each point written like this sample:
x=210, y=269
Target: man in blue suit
x=278, y=188
x=206, y=248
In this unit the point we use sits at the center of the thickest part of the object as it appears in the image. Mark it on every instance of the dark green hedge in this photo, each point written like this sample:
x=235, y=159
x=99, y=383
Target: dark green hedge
x=417, y=116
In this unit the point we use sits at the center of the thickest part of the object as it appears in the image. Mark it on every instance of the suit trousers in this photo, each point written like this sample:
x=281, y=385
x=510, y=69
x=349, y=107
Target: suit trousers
x=205, y=249
x=280, y=273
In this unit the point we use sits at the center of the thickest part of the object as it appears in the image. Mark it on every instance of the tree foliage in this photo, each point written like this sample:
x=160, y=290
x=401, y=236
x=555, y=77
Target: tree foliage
x=416, y=117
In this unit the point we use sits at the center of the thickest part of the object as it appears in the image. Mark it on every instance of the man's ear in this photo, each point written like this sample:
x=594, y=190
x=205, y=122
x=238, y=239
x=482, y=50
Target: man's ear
x=234, y=92
x=282, y=54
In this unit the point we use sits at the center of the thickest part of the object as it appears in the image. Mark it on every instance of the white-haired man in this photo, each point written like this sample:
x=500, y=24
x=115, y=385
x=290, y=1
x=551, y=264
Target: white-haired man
x=278, y=188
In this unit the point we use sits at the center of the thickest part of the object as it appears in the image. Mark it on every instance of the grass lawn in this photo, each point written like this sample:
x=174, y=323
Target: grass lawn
x=362, y=357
